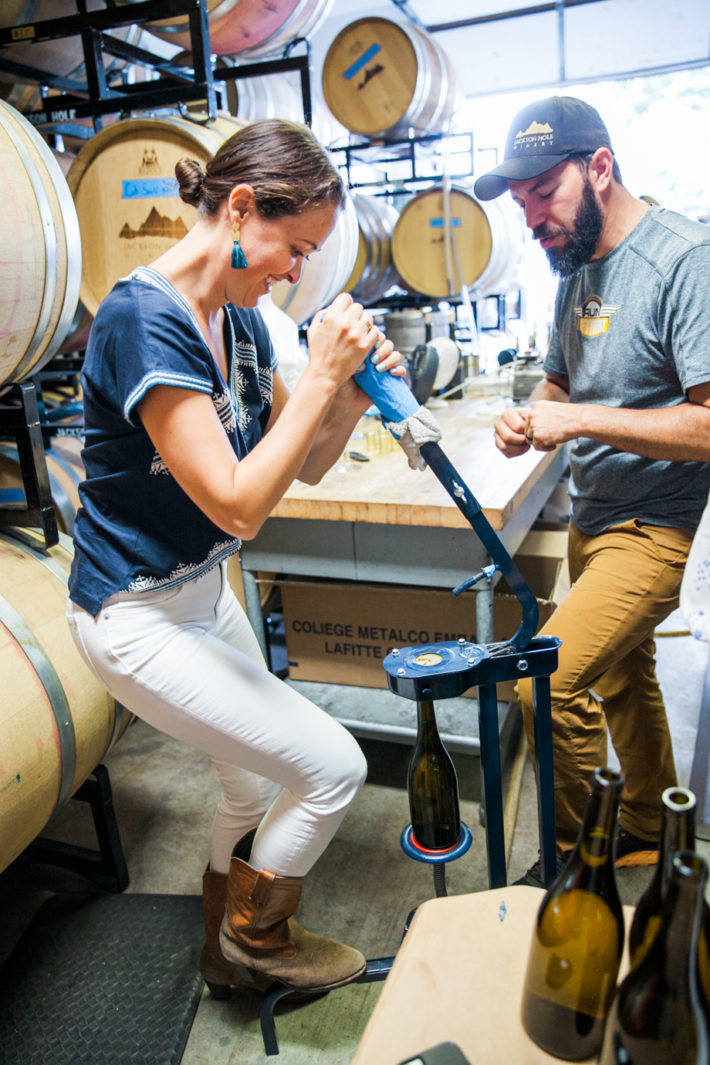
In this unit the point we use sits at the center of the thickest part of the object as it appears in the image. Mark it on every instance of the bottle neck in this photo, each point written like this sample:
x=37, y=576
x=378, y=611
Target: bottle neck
x=426, y=719
x=677, y=834
x=596, y=836
x=675, y=948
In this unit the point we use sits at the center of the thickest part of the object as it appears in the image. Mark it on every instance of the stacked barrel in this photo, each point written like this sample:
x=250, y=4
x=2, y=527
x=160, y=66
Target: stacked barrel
x=41, y=263
x=56, y=720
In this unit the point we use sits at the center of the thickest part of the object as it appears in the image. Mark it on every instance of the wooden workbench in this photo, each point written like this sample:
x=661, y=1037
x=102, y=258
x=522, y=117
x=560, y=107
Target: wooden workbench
x=384, y=490
x=381, y=521
x=458, y=977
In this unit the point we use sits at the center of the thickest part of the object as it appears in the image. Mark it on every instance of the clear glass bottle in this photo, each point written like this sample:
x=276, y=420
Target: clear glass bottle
x=660, y=1014
x=433, y=786
x=578, y=937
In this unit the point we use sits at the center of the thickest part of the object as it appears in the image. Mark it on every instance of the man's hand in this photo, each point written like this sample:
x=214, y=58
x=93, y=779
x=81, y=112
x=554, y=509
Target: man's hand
x=509, y=432
x=551, y=423
x=548, y=420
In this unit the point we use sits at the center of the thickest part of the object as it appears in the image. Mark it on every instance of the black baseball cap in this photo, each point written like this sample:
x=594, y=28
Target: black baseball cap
x=542, y=135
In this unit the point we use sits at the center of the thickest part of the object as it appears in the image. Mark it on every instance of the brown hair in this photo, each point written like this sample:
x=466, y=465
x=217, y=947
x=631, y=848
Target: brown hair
x=289, y=171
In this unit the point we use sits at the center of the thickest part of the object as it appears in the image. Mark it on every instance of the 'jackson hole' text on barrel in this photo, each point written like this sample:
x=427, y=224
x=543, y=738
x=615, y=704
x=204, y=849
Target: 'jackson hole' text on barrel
x=383, y=79
x=40, y=271
x=56, y=720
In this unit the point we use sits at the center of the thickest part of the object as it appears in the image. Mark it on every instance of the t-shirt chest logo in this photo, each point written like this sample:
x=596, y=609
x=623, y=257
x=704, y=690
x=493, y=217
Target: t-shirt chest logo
x=594, y=317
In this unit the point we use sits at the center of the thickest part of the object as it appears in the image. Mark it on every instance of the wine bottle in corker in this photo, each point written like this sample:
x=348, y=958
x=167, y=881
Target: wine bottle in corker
x=432, y=785
x=659, y=1015
x=578, y=937
x=677, y=834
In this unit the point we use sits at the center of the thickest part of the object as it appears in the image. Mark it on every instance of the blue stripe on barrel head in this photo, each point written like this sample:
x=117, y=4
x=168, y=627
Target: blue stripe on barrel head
x=360, y=63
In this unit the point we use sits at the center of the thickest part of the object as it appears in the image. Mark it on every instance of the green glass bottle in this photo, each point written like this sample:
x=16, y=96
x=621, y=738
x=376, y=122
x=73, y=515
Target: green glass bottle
x=677, y=834
x=660, y=1014
x=578, y=937
x=433, y=787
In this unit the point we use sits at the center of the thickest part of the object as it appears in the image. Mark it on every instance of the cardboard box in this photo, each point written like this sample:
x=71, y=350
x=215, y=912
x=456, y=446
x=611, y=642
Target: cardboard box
x=340, y=632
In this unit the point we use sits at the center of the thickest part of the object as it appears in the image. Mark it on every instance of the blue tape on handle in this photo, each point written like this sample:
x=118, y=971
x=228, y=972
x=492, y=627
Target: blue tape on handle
x=391, y=395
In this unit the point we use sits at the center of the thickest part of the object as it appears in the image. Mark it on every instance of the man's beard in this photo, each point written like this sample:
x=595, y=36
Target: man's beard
x=581, y=240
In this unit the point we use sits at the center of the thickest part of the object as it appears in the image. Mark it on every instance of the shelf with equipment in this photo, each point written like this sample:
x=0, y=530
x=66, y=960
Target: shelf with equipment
x=67, y=101
x=402, y=162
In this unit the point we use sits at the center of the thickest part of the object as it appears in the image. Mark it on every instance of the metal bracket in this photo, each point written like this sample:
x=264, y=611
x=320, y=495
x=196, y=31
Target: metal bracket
x=376, y=969
x=106, y=866
x=447, y=670
x=19, y=418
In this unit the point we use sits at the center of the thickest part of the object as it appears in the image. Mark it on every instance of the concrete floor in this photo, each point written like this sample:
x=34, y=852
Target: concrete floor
x=361, y=890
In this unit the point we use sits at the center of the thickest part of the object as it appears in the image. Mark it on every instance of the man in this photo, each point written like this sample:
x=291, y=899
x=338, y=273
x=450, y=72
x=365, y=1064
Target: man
x=627, y=387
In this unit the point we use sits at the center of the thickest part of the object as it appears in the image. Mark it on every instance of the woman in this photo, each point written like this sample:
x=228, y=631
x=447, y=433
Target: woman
x=191, y=440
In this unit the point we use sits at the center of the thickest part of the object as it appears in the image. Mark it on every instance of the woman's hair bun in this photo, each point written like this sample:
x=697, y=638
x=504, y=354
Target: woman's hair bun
x=191, y=177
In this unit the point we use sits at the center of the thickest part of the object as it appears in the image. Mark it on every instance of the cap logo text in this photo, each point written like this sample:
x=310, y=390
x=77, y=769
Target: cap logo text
x=538, y=134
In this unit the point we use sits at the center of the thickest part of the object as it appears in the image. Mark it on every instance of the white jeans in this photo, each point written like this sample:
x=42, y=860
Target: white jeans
x=187, y=662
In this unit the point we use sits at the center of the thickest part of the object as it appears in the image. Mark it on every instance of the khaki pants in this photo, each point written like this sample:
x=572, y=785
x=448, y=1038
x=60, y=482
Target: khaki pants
x=624, y=582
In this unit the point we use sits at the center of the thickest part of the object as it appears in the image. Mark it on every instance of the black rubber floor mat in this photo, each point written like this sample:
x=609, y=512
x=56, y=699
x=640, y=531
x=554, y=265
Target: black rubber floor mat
x=107, y=980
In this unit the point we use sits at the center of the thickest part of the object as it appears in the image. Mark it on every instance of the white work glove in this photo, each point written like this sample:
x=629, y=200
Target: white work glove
x=419, y=428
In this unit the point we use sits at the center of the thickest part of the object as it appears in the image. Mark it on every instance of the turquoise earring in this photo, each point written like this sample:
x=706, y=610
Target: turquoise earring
x=239, y=259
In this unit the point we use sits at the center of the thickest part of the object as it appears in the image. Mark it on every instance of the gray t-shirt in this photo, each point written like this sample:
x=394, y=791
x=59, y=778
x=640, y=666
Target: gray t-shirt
x=633, y=330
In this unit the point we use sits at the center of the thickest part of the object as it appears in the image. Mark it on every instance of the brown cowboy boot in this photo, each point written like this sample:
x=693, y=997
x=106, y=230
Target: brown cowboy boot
x=218, y=973
x=260, y=935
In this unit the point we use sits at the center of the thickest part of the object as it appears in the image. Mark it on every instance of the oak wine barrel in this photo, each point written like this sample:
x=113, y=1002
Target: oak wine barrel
x=264, y=97
x=507, y=239
x=443, y=242
x=40, y=272
x=249, y=98
x=249, y=27
x=57, y=721
x=383, y=79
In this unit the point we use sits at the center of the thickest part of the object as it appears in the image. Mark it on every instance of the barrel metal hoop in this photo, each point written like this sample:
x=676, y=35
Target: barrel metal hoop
x=40, y=555
x=71, y=234
x=50, y=245
x=21, y=632
x=120, y=712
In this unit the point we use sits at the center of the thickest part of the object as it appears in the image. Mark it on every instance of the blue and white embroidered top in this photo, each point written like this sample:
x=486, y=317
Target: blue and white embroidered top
x=136, y=529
